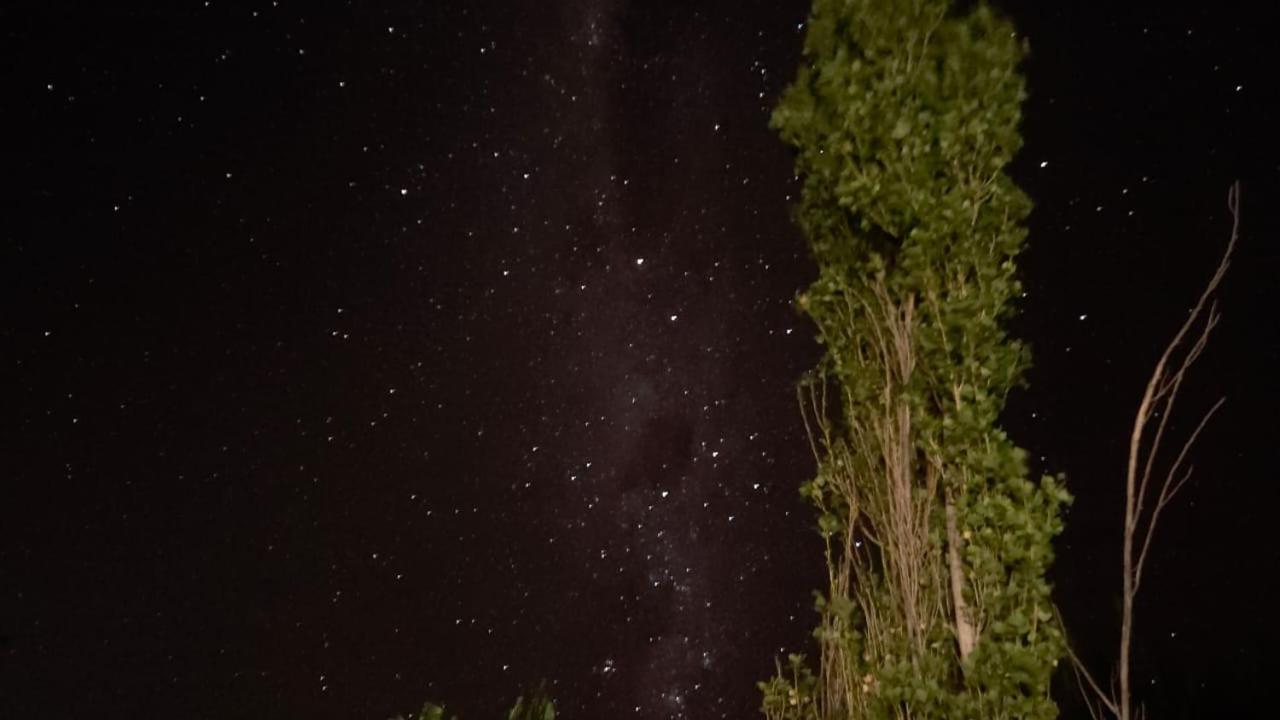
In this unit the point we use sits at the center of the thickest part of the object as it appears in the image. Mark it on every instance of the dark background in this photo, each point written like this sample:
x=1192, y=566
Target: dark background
x=354, y=357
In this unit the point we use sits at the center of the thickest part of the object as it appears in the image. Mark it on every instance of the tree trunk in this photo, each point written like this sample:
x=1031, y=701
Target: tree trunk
x=966, y=633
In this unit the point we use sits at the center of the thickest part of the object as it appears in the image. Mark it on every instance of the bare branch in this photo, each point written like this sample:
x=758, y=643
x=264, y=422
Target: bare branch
x=1081, y=671
x=1159, y=398
x=1168, y=489
x=1186, y=447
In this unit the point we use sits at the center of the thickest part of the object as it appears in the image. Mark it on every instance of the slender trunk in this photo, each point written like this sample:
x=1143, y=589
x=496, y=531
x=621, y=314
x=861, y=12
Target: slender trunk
x=1132, y=493
x=1128, y=591
x=966, y=634
x=1126, y=631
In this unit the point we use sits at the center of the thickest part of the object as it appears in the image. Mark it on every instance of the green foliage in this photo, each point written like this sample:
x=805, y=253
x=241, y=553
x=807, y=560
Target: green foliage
x=789, y=695
x=537, y=705
x=429, y=711
x=903, y=118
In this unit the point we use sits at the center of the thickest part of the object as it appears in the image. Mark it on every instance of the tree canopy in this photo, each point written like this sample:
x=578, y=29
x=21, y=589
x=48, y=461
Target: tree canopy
x=903, y=117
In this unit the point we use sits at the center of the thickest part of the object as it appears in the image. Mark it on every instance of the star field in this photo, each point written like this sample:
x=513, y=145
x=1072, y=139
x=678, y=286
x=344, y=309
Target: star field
x=359, y=357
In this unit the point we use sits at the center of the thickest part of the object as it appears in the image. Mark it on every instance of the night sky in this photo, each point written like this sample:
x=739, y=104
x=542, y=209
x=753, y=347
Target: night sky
x=420, y=350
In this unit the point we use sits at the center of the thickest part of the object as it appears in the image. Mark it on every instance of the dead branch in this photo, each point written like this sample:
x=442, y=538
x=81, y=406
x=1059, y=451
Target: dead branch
x=1141, y=519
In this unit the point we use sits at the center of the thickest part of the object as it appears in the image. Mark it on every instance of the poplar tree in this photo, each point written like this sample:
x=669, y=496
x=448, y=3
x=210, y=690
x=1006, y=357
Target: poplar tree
x=903, y=118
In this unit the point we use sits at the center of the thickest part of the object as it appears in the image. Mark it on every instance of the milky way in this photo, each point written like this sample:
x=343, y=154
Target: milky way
x=665, y=456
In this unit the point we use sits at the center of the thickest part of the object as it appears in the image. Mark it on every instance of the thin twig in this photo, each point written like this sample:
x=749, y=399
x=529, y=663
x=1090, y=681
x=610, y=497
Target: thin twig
x=1158, y=399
